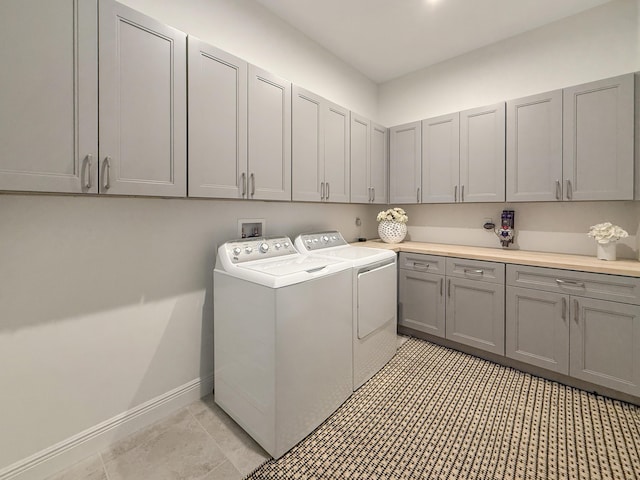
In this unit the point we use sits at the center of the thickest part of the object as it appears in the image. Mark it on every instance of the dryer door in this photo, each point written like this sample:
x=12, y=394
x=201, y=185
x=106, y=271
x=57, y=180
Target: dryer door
x=377, y=298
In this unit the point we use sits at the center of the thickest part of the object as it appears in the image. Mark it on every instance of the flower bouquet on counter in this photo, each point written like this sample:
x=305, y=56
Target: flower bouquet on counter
x=607, y=232
x=393, y=225
x=606, y=235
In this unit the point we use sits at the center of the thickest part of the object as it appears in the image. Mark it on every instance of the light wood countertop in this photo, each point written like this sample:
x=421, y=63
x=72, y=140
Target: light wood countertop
x=520, y=257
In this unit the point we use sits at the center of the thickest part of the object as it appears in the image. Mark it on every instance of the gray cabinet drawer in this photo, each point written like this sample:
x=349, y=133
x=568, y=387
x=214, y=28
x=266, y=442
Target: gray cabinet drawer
x=422, y=263
x=616, y=288
x=492, y=272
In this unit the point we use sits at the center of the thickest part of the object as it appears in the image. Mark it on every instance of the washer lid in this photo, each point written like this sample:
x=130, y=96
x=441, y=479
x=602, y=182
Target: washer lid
x=357, y=255
x=277, y=273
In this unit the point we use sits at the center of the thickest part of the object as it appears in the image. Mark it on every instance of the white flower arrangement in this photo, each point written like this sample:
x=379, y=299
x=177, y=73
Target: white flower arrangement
x=393, y=215
x=606, y=232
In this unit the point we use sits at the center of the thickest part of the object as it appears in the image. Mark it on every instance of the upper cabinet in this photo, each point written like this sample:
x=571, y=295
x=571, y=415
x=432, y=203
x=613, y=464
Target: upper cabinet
x=217, y=122
x=142, y=106
x=49, y=96
x=441, y=159
x=369, y=161
x=269, y=136
x=379, y=164
x=463, y=156
x=574, y=144
x=482, y=154
x=405, y=146
x=51, y=142
x=320, y=139
x=534, y=148
x=598, y=140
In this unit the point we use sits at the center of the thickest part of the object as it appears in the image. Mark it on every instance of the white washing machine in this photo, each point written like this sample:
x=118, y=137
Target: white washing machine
x=375, y=298
x=282, y=339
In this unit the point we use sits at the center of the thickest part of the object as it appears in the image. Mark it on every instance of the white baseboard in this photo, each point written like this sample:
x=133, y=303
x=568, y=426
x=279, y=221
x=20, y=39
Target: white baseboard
x=91, y=441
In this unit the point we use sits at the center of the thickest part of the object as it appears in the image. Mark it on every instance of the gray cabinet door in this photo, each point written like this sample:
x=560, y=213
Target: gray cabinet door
x=360, y=157
x=405, y=163
x=605, y=343
x=307, y=146
x=421, y=302
x=379, y=164
x=598, y=140
x=217, y=122
x=537, y=328
x=475, y=314
x=534, y=148
x=142, y=104
x=336, y=153
x=482, y=154
x=269, y=134
x=49, y=96
x=441, y=159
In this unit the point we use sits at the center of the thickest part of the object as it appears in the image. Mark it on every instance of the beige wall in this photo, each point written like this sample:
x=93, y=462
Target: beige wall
x=106, y=303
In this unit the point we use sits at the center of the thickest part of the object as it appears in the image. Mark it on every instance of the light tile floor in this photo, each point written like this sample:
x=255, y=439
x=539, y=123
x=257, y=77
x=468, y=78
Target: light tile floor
x=199, y=442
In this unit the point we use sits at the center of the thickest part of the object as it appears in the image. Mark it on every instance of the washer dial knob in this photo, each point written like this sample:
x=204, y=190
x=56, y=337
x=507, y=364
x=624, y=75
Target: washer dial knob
x=264, y=247
x=236, y=251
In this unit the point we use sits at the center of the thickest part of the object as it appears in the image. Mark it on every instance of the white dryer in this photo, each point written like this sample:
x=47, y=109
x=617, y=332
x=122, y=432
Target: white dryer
x=375, y=298
x=282, y=339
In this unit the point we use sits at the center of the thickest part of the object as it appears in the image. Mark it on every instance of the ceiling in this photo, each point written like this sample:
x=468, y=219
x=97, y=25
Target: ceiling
x=385, y=39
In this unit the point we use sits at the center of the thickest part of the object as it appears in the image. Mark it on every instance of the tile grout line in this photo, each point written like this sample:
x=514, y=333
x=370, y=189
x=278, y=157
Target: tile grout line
x=214, y=441
x=104, y=466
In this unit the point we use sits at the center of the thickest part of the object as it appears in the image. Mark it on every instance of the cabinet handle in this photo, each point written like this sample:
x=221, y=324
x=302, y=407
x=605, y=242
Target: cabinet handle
x=420, y=265
x=569, y=190
x=418, y=195
x=576, y=314
x=89, y=165
x=462, y=193
x=473, y=272
x=253, y=184
x=441, y=284
x=570, y=283
x=455, y=193
x=449, y=288
x=373, y=190
x=321, y=190
x=369, y=190
x=328, y=191
x=564, y=308
x=558, y=192
x=243, y=181
x=107, y=171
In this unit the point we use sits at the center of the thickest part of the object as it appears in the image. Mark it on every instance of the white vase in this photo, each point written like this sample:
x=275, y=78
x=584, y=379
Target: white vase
x=606, y=251
x=392, y=232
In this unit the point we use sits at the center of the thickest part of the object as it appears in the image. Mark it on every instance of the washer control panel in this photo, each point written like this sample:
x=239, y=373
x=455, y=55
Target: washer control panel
x=320, y=240
x=249, y=249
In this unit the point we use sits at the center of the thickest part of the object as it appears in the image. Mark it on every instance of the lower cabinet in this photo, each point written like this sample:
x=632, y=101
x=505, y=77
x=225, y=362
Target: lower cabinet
x=421, y=293
x=461, y=300
x=556, y=323
x=537, y=328
x=475, y=303
x=475, y=314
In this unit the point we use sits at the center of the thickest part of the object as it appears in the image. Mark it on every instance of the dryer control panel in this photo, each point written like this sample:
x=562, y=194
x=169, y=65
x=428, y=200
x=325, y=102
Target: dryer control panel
x=320, y=240
x=250, y=249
